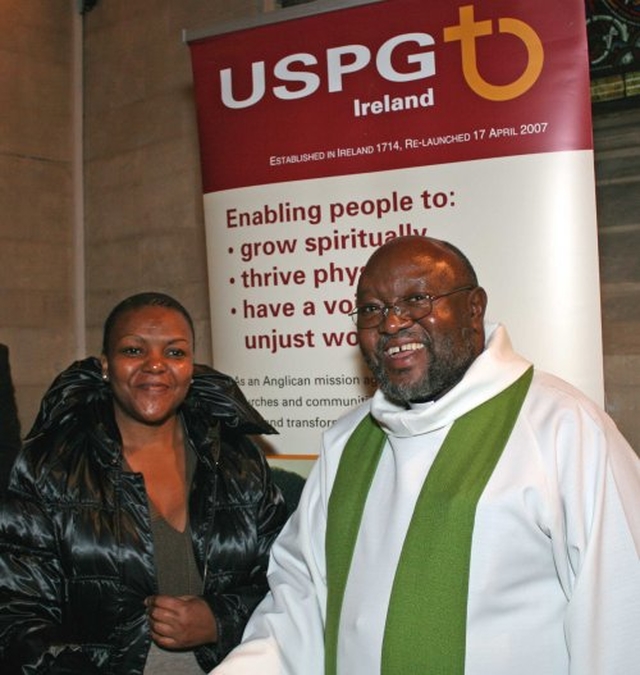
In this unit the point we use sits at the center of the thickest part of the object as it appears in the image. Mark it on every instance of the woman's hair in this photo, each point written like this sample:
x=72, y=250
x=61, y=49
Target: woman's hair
x=137, y=301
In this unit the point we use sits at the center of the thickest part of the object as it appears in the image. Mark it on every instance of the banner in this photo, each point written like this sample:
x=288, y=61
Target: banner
x=325, y=135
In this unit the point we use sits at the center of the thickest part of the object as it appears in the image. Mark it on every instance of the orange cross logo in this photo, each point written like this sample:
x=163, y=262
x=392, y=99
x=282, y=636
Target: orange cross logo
x=467, y=32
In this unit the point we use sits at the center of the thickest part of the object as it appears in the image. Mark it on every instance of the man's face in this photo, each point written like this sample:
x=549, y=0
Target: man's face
x=420, y=360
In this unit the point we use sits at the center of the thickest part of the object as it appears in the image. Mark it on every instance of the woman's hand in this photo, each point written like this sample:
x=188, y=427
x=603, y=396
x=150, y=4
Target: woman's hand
x=180, y=622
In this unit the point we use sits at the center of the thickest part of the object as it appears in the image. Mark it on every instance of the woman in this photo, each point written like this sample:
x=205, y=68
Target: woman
x=136, y=533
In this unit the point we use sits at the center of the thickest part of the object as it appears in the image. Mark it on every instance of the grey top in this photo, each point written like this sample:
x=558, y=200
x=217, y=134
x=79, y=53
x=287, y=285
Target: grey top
x=177, y=575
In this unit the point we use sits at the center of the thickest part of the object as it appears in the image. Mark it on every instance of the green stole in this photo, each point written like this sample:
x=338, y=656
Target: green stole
x=426, y=620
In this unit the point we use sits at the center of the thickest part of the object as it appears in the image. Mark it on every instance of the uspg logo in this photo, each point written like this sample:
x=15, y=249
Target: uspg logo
x=408, y=57
x=469, y=29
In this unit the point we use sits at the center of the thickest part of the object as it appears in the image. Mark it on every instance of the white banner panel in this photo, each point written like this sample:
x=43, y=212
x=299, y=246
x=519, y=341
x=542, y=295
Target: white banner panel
x=324, y=136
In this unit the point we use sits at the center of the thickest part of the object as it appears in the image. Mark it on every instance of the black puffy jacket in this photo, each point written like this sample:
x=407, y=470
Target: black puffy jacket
x=76, y=551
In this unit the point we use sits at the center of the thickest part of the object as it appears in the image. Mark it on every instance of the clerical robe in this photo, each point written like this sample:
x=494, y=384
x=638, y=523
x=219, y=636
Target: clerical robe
x=554, y=578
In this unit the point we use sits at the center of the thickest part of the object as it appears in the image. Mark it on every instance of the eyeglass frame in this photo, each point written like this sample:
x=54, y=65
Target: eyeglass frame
x=399, y=312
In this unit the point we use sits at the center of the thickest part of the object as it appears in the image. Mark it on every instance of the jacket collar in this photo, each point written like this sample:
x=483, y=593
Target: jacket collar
x=79, y=394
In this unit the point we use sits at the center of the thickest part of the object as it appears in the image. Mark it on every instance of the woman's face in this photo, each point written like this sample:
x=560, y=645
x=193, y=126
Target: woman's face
x=149, y=364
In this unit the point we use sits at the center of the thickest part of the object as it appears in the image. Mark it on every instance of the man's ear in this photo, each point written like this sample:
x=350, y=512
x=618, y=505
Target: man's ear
x=478, y=302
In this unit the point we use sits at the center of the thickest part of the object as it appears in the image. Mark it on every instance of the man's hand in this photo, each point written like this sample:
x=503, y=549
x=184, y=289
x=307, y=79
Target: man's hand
x=180, y=622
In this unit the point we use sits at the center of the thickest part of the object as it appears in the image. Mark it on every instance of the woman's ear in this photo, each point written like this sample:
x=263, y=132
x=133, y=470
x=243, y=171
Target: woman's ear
x=105, y=367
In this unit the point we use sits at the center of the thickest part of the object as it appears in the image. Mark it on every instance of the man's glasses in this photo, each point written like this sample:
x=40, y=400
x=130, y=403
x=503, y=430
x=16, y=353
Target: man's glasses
x=414, y=307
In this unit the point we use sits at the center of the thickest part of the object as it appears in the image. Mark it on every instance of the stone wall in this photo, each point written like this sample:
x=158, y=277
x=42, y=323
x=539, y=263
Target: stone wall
x=617, y=151
x=144, y=221
x=36, y=219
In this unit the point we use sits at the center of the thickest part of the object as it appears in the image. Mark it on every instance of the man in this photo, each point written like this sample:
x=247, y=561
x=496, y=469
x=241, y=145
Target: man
x=475, y=517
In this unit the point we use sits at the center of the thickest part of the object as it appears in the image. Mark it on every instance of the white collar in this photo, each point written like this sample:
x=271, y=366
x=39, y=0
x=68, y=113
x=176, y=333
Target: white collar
x=493, y=371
